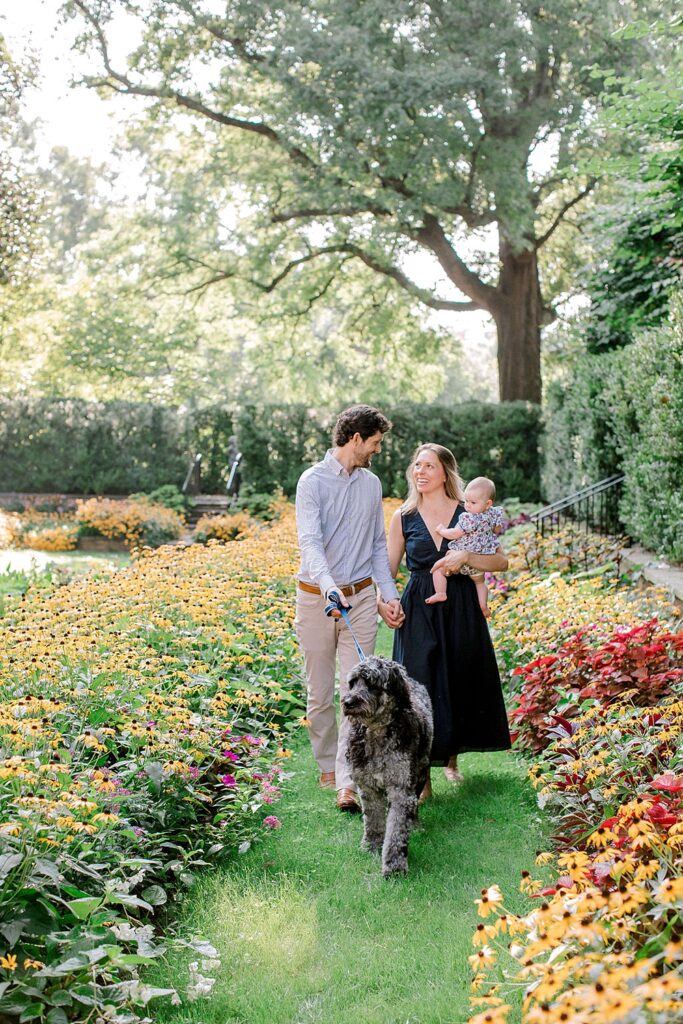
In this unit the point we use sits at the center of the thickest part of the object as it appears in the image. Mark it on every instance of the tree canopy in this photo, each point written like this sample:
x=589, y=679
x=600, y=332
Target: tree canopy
x=20, y=198
x=379, y=132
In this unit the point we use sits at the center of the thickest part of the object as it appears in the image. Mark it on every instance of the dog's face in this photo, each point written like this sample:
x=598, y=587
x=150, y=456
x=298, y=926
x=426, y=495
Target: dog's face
x=376, y=685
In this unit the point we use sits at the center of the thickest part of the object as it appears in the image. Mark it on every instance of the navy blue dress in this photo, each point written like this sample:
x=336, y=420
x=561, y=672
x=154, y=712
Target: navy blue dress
x=447, y=648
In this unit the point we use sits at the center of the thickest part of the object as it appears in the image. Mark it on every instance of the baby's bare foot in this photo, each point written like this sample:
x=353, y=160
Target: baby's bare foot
x=436, y=597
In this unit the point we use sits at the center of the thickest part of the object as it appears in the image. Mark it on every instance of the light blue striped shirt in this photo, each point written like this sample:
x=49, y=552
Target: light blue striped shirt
x=340, y=522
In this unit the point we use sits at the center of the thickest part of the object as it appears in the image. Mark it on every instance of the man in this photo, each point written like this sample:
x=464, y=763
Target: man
x=343, y=549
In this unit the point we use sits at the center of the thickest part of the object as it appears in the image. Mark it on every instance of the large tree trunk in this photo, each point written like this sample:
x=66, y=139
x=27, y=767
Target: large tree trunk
x=517, y=314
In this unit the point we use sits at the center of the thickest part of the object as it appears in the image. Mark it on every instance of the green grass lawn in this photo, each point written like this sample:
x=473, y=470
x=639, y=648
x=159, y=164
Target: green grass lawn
x=309, y=931
x=21, y=568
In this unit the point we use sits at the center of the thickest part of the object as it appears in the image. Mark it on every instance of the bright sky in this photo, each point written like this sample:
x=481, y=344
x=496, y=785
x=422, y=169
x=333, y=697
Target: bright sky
x=73, y=117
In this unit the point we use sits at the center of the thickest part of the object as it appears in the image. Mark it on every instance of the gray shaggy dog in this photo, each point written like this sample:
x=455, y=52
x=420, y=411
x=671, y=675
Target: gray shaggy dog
x=389, y=746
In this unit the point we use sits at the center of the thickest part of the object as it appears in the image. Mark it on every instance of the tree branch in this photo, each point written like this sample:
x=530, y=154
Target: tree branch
x=564, y=209
x=129, y=88
x=388, y=270
x=320, y=211
x=432, y=236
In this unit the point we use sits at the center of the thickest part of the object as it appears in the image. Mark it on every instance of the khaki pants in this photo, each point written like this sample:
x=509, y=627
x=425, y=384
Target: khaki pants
x=321, y=639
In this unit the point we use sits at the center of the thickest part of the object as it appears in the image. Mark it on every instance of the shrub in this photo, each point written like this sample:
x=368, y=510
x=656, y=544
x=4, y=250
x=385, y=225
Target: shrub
x=645, y=660
x=39, y=531
x=496, y=440
x=70, y=445
x=232, y=526
x=128, y=447
x=169, y=496
x=136, y=522
x=261, y=505
x=623, y=411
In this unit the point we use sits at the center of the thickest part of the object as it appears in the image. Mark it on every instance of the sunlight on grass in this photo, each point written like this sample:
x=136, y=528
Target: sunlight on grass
x=310, y=932
x=273, y=929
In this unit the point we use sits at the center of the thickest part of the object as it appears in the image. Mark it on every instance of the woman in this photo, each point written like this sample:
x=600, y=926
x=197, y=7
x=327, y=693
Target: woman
x=445, y=646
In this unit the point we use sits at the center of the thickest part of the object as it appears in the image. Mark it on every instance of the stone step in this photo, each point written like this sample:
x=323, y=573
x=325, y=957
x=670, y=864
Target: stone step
x=208, y=505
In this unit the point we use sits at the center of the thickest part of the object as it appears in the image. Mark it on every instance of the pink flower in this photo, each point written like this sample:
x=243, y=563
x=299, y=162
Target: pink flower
x=272, y=822
x=230, y=756
x=228, y=780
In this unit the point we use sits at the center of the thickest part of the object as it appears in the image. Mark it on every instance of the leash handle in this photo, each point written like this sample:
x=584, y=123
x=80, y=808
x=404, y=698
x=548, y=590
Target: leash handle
x=336, y=605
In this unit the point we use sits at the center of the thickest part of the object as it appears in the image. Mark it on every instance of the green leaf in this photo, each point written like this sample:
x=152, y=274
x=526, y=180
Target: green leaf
x=73, y=965
x=47, y=868
x=82, y=908
x=132, y=958
x=155, y=895
x=12, y=932
x=60, y=997
x=57, y=1016
x=124, y=899
x=33, y=1012
x=8, y=861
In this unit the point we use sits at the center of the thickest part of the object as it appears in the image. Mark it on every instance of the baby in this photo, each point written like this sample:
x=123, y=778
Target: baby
x=476, y=531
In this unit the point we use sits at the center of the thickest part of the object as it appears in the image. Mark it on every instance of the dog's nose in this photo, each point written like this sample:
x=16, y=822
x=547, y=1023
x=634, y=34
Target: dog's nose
x=350, y=701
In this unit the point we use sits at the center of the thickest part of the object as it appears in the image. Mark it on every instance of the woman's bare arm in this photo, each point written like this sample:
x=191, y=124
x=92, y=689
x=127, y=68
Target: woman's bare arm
x=454, y=561
x=393, y=615
x=396, y=544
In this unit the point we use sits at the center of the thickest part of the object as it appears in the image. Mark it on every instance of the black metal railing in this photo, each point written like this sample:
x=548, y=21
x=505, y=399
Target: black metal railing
x=193, y=480
x=593, y=508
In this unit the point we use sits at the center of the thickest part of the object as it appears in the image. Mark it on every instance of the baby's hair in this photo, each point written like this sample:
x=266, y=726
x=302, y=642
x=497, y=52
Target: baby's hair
x=483, y=483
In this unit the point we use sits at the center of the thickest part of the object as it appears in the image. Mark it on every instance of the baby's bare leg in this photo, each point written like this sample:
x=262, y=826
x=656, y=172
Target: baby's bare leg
x=483, y=595
x=439, y=588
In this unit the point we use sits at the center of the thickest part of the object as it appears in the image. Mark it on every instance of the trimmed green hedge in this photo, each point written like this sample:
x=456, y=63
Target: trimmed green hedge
x=623, y=411
x=72, y=446
x=500, y=441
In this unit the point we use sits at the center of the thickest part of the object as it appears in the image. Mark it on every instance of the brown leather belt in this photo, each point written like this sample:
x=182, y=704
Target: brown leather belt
x=347, y=591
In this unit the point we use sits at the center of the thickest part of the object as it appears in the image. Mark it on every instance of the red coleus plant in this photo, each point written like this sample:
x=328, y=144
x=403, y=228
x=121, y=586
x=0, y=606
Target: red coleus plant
x=643, y=660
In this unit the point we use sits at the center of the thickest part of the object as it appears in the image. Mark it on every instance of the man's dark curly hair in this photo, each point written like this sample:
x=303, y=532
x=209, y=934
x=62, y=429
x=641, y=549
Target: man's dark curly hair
x=359, y=419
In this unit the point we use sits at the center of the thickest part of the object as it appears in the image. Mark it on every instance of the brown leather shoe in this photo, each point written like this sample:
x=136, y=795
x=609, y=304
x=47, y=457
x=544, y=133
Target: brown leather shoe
x=347, y=800
x=327, y=780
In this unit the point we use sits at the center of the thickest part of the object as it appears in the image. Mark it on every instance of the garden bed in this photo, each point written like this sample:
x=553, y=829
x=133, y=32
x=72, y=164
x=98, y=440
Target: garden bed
x=594, y=668
x=143, y=724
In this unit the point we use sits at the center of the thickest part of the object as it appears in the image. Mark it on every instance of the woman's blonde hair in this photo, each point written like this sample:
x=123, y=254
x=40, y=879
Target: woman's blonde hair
x=453, y=484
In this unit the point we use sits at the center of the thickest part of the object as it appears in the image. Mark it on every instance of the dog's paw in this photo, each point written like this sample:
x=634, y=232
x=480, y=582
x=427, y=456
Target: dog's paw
x=395, y=867
x=371, y=845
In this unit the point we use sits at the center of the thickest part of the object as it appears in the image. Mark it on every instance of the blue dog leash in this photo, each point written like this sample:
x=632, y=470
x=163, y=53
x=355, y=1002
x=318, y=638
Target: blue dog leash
x=336, y=605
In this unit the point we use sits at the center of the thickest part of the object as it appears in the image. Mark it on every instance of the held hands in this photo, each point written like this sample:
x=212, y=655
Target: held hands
x=391, y=612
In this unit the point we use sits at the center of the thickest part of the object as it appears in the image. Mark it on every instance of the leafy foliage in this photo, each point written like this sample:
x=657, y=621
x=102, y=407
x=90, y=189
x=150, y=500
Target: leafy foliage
x=624, y=411
x=645, y=661
x=124, y=447
x=638, y=233
x=20, y=197
x=373, y=133
x=501, y=441
x=142, y=726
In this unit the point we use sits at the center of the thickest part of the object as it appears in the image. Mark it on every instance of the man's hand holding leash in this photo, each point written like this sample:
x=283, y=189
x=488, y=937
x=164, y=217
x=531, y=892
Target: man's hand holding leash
x=333, y=597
